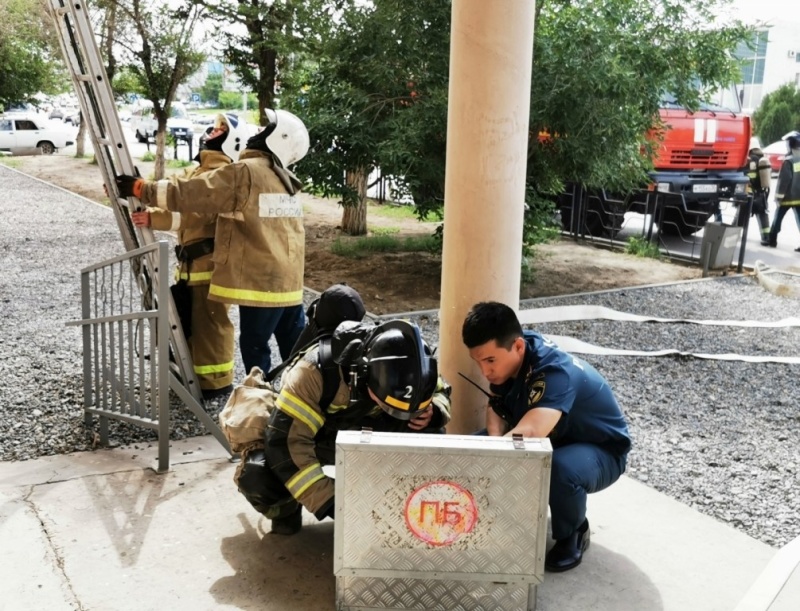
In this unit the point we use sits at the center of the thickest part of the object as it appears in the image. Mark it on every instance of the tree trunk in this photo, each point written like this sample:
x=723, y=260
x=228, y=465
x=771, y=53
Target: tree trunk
x=354, y=217
x=161, y=140
x=80, y=139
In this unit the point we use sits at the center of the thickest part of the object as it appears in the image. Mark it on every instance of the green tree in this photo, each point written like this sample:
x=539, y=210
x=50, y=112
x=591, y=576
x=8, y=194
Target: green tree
x=211, y=88
x=29, y=57
x=160, y=45
x=778, y=120
x=778, y=113
x=377, y=98
x=260, y=38
x=378, y=95
x=230, y=100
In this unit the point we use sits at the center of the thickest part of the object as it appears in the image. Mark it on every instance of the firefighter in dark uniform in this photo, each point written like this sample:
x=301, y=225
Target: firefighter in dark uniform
x=787, y=191
x=385, y=378
x=759, y=172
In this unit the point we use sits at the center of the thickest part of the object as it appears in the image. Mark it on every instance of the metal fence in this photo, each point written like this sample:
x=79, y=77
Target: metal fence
x=667, y=222
x=125, y=365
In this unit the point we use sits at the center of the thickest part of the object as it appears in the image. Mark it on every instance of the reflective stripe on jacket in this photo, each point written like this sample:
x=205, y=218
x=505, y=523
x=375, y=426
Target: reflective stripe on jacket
x=259, y=242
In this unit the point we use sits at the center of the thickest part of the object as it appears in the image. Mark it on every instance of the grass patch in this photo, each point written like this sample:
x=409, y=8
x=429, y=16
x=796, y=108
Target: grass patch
x=640, y=247
x=397, y=211
x=8, y=161
x=148, y=156
x=178, y=163
x=383, y=230
x=355, y=248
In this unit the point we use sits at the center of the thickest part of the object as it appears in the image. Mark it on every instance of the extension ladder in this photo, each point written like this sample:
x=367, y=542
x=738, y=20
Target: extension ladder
x=93, y=89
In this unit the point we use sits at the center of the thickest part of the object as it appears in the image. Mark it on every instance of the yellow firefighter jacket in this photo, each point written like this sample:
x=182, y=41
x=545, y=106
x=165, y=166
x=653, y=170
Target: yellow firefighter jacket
x=259, y=242
x=192, y=227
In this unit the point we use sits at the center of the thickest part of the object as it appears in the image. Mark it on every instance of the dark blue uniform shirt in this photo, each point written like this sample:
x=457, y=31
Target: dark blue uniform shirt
x=557, y=380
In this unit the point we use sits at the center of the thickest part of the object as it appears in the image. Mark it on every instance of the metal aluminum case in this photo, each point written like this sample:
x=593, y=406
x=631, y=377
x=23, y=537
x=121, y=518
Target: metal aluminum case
x=439, y=522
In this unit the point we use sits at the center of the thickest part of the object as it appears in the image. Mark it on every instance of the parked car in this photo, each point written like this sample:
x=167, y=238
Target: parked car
x=20, y=131
x=144, y=124
x=775, y=153
x=72, y=116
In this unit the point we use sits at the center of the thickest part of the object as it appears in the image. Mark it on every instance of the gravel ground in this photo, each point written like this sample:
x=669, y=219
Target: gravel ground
x=719, y=436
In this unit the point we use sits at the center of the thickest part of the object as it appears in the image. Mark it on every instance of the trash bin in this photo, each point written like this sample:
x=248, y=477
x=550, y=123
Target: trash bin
x=718, y=246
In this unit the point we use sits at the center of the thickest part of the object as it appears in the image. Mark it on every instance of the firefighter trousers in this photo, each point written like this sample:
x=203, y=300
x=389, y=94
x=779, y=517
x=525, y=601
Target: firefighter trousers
x=212, y=341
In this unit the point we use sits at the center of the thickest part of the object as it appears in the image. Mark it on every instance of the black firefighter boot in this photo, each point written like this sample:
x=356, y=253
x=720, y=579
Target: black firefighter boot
x=288, y=525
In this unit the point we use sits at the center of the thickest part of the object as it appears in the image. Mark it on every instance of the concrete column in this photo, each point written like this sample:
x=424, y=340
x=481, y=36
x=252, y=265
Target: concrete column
x=487, y=138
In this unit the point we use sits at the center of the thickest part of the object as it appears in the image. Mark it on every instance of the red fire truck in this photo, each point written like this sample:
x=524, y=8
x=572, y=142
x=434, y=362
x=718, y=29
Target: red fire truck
x=701, y=160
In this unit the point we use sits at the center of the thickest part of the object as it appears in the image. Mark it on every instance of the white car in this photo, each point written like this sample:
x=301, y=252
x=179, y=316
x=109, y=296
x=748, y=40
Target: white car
x=26, y=131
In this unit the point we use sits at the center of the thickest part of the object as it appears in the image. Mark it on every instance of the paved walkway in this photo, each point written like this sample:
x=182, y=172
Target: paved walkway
x=100, y=531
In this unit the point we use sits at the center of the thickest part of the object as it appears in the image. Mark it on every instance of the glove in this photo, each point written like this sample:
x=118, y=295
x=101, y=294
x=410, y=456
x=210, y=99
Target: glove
x=327, y=512
x=129, y=186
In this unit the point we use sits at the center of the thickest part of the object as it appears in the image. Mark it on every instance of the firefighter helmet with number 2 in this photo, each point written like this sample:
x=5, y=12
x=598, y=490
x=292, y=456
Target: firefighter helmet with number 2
x=401, y=373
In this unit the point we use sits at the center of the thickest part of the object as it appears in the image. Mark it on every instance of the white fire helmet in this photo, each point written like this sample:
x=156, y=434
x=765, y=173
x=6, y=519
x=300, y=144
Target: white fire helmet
x=238, y=133
x=289, y=140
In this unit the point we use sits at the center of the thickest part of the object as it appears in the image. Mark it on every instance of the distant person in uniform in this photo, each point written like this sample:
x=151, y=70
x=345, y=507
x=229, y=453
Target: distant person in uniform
x=787, y=191
x=759, y=172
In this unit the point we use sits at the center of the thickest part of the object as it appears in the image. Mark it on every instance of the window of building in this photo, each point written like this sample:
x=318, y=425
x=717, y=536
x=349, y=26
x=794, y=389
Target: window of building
x=753, y=59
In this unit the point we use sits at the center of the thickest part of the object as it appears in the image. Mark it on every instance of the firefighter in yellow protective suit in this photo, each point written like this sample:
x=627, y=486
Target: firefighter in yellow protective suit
x=259, y=241
x=210, y=334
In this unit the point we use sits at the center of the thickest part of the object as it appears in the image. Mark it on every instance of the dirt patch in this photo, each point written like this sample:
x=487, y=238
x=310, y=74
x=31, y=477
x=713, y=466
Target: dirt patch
x=400, y=282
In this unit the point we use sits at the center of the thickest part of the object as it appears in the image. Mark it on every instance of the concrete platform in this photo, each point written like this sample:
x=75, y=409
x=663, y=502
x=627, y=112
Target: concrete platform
x=102, y=531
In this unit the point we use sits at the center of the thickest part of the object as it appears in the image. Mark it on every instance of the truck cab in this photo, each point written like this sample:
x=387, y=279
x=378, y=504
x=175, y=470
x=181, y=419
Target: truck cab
x=700, y=161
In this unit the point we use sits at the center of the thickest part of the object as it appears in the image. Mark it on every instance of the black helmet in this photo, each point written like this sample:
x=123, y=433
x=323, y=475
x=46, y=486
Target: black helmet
x=793, y=139
x=400, y=370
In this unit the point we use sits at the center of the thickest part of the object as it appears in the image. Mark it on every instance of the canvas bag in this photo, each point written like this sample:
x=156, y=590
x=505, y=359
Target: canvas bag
x=244, y=418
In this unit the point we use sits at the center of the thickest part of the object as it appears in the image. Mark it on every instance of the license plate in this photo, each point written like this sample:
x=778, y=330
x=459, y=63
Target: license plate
x=704, y=188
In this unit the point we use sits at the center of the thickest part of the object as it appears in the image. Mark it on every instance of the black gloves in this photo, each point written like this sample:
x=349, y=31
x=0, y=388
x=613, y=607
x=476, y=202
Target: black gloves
x=129, y=186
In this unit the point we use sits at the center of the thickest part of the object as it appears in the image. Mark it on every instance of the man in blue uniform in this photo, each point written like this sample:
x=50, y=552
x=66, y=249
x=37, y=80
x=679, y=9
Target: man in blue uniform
x=541, y=391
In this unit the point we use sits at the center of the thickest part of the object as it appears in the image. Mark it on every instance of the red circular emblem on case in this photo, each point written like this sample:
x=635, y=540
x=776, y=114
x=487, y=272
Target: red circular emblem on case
x=440, y=512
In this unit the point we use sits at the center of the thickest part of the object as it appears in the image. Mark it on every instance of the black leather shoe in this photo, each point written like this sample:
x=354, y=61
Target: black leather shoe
x=290, y=525
x=567, y=553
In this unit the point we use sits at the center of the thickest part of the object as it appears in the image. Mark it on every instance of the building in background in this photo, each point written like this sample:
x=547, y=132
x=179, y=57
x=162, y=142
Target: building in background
x=775, y=60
